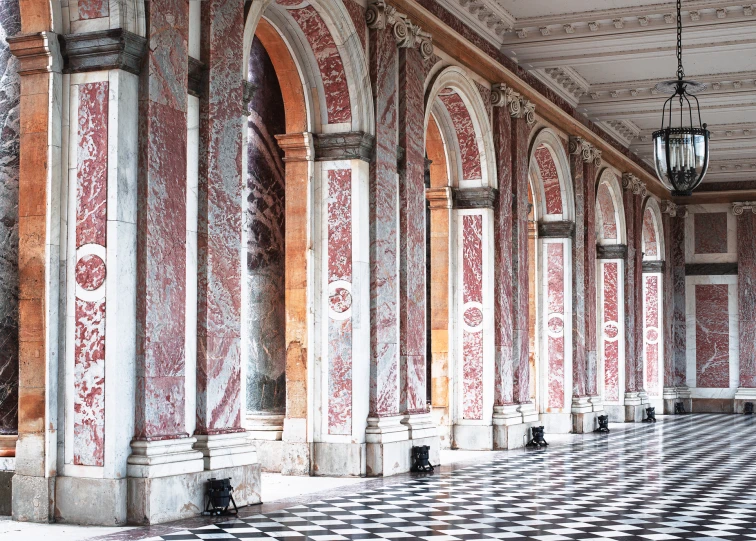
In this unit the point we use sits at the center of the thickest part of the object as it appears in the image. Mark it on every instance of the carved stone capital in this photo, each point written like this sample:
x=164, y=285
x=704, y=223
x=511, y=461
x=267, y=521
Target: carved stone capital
x=297, y=147
x=668, y=207
x=631, y=183
x=738, y=208
x=580, y=146
x=503, y=96
x=597, y=160
x=103, y=50
x=611, y=251
x=528, y=112
x=355, y=145
x=474, y=198
x=556, y=230
x=440, y=198
x=36, y=53
x=380, y=15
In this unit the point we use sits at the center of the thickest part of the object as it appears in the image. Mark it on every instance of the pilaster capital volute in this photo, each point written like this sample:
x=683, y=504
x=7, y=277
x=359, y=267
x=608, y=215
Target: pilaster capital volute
x=739, y=207
x=668, y=207
x=528, y=111
x=631, y=183
x=597, y=159
x=380, y=15
x=580, y=146
x=504, y=96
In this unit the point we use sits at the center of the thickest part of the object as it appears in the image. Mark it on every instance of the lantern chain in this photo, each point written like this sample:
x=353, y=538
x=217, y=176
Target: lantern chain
x=680, y=71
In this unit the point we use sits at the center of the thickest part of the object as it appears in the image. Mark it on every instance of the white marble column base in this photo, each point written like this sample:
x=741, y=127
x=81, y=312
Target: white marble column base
x=528, y=412
x=507, y=415
x=226, y=450
x=162, y=458
x=582, y=404
x=597, y=402
x=632, y=399
x=386, y=429
x=420, y=425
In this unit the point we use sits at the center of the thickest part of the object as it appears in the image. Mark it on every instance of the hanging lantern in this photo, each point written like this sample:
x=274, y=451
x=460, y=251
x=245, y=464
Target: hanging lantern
x=681, y=152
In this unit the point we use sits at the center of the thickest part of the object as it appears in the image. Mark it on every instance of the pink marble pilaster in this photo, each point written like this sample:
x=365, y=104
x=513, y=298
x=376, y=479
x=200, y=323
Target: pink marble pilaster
x=412, y=233
x=219, y=220
x=631, y=284
x=589, y=289
x=504, y=255
x=90, y=272
x=520, y=282
x=651, y=335
x=667, y=347
x=472, y=316
x=555, y=325
x=384, y=234
x=638, y=290
x=676, y=262
x=747, y=297
x=161, y=225
x=610, y=330
x=579, y=277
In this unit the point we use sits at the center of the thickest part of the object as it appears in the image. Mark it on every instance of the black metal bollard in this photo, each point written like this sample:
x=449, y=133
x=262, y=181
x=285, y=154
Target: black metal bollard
x=603, y=421
x=748, y=408
x=650, y=415
x=218, y=497
x=537, y=440
x=421, y=459
x=679, y=408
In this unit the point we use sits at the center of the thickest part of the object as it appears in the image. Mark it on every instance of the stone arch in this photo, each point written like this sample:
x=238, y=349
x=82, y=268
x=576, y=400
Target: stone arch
x=610, y=214
x=342, y=103
x=553, y=201
x=453, y=90
x=552, y=184
x=653, y=235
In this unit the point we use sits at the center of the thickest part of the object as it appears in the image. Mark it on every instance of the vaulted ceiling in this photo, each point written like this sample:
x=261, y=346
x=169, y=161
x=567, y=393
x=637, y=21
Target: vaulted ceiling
x=606, y=56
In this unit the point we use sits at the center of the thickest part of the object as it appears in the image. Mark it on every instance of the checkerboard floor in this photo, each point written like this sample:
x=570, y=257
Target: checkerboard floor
x=686, y=477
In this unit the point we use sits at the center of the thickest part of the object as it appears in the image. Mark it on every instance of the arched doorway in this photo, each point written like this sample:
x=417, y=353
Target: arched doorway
x=653, y=297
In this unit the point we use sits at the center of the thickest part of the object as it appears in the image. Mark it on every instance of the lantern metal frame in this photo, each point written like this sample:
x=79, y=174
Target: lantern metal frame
x=684, y=171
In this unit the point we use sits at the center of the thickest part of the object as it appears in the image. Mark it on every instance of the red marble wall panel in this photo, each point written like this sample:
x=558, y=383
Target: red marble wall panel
x=710, y=233
x=712, y=336
x=650, y=242
x=579, y=277
x=503, y=260
x=161, y=227
x=412, y=232
x=329, y=61
x=550, y=177
x=651, y=335
x=357, y=14
x=384, y=205
x=472, y=316
x=340, y=301
x=93, y=9
x=220, y=221
x=676, y=264
x=92, y=164
x=607, y=213
x=555, y=323
x=610, y=330
x=90, y=270
x=466, y=137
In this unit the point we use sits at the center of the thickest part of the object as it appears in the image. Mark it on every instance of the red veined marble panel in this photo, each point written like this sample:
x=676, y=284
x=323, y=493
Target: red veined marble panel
x=607, y=213
x=463, y=126
x=712, y=336
x=357, y=14
x=650, y=242
x=710, y=233
x=329, y=62
x=90, y=270
x=340, y=301
x=549, y=175
x=93, y=9
x=610, y=328
x=472, y=316
x=651, y=334
x=555, y=323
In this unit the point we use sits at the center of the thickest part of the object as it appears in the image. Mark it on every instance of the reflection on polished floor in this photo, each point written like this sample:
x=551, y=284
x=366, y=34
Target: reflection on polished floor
x=685, y=477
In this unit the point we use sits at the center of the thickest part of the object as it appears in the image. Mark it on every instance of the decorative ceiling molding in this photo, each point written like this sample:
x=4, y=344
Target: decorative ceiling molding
x=622, y=20
x=625, y=130
x=488, y=16
x=570, y=80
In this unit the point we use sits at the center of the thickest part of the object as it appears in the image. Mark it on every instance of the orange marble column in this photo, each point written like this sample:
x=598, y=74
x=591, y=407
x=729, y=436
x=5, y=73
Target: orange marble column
x=39, y=183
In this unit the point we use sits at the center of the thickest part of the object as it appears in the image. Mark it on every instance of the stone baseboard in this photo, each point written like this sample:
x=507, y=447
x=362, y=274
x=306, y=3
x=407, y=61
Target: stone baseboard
x=584, y=423
x=338, y=459
x=556, y=423
x=33, y=498
x=512, y=436
x=635, y=413
x=6, y=493
x=473, y=437
x=164, y=499
x=270, y=454
x=90, y=502
x=384, y=459
x=711, y=405
x=615, y=412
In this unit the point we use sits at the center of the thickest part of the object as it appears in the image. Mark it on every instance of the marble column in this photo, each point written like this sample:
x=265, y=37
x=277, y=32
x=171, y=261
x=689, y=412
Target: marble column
x=746, y=218
x=10, y=24
x=675, y=388
x=39, y=67
x=583, y=162
x=412, y=302
x=633, y=193
x=161, y=445
x=522, y=119
x=219, y=431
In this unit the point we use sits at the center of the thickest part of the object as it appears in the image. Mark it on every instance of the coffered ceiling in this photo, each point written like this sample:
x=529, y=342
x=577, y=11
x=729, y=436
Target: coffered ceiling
x=606, y=56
